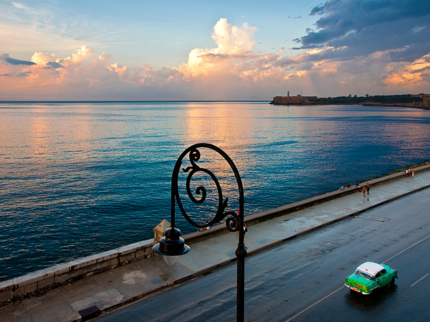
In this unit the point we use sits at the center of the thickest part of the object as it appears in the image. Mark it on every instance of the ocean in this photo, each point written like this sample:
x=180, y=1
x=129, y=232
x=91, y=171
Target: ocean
x=85, y=177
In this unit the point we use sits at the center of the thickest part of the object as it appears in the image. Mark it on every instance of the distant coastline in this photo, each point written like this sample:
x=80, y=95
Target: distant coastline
x=408, y=100
x=143, y=101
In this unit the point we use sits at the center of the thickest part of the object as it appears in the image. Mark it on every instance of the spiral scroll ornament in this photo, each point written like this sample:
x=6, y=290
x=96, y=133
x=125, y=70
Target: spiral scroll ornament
x=200, y=193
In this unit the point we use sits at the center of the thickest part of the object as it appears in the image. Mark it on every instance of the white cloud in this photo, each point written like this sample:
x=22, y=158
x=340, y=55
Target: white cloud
x=233, y=44
x=42, y=58
x=418, y=29
x=18, y=5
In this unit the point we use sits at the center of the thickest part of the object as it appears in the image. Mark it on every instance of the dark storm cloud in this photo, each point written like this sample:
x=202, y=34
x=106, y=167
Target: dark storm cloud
x=23, y=74
x=371, y=26
x=53, y=65
x=318, y=10
x=12, y=61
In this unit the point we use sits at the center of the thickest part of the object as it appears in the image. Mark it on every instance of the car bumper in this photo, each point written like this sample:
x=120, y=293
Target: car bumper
x=357, y=290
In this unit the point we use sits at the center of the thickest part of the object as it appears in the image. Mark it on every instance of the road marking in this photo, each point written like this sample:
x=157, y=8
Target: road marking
x=406, y=249
x=337, y=290
x=290, y=319
x=420, y=279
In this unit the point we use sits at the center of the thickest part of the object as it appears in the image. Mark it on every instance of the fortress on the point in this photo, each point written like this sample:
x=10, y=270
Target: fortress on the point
x=294, y=100
x=406, y=100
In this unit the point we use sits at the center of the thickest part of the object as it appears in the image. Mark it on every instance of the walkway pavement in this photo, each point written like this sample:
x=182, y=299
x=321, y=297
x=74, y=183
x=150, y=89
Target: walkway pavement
x=113, y=289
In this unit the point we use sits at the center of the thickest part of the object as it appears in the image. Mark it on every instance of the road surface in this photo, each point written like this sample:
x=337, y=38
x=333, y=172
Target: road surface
x=302, y=280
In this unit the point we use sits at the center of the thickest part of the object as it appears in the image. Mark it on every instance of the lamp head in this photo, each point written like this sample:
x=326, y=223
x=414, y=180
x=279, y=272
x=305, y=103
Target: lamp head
x=171, y=244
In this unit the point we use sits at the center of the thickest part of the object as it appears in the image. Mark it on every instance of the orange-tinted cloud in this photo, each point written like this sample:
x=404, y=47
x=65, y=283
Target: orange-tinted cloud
x=229, y=70
x=408, y=75
x=234, y=45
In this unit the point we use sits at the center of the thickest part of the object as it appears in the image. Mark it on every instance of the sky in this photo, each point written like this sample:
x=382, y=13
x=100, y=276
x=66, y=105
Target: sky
x=221, y=50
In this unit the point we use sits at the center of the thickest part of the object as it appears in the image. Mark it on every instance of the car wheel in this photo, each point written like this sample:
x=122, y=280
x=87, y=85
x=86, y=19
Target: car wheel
x=393, y=281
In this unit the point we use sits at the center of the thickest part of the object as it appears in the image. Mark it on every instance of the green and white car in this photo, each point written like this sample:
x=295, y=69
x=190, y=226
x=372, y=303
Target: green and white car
x=370, y=276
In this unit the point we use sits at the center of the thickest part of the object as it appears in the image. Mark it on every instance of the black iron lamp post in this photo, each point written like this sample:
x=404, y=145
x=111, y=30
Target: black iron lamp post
x=173, y=245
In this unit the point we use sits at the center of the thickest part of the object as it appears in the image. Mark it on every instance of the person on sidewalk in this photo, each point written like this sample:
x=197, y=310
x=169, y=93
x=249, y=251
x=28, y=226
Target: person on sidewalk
x=413, y=174
x=368, y=188
x=364, y=191
x=245, y=229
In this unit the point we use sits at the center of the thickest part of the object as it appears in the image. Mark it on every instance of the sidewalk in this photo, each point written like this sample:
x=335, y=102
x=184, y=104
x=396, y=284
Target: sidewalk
x=115, y=288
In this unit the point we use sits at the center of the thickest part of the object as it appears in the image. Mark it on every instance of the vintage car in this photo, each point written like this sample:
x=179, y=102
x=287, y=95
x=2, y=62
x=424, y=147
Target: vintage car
x=370, y=276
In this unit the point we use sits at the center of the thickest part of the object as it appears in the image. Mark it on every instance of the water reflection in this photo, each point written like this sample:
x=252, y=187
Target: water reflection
x=83, y=178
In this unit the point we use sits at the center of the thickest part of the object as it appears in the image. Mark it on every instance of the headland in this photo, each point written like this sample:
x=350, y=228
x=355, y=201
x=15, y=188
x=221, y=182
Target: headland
x=408, y=100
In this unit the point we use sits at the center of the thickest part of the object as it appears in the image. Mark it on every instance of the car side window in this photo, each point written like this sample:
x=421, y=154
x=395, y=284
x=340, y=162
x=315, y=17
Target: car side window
x=383, y=272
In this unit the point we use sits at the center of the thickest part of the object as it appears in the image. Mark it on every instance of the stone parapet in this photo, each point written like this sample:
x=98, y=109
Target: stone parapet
x=52, y=277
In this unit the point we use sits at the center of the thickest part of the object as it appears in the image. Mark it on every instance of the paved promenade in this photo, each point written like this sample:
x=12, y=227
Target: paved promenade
x=107, y=291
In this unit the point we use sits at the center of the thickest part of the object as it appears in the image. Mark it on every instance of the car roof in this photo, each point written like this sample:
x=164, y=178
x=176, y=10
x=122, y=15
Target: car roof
x=370, y=268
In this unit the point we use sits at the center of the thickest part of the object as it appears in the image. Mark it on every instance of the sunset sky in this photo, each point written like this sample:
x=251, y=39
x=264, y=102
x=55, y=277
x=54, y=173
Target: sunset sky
x=220, y=50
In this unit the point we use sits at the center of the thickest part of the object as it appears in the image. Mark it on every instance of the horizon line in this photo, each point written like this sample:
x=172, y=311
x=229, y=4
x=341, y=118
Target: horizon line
x=139, y=101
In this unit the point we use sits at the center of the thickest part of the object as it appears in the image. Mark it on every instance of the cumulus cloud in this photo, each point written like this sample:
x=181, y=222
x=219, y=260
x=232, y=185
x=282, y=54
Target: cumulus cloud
x=42, y=58
x=233, y=44
x=390, y=53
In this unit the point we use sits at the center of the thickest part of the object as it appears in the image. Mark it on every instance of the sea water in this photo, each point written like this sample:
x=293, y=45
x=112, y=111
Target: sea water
x=81, y=178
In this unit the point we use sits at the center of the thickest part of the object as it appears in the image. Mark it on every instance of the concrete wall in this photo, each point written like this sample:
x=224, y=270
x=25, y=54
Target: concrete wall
x=46, y=279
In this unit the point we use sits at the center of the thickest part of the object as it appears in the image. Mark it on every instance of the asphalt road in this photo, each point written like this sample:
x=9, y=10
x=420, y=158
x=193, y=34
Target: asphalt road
x=302, y=280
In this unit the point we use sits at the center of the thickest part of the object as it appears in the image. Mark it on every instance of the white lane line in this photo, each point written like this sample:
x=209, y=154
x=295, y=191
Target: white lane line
x=337, y=290
x=406, y=249
x=290, y=319
x=420, y=279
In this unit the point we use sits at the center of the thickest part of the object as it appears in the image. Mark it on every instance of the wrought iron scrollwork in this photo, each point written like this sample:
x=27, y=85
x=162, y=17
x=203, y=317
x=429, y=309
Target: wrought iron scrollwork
x=173, y=245
x=233, y=220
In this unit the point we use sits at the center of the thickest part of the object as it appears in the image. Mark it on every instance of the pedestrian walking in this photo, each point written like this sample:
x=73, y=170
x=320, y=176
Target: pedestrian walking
x=368, y=188
x=364, y=191
x=413, y=174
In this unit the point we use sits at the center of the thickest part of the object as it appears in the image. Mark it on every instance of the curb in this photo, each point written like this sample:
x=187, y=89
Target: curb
x=251, y=253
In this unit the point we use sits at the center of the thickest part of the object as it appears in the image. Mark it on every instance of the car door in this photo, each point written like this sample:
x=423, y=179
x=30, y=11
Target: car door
x=384, y=277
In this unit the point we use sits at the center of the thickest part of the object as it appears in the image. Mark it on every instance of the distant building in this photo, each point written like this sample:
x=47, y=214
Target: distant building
x=422, y=95
x=426, y=100
x=294, y=100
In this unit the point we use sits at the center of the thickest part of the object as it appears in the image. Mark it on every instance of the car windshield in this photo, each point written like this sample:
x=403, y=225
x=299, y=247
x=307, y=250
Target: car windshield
x=363, y=274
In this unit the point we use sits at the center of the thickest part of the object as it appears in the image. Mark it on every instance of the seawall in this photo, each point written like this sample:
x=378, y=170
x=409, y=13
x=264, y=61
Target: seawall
x=52, y=277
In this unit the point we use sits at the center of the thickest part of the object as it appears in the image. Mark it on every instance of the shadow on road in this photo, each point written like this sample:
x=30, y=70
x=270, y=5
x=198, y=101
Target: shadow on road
x=369, y=302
